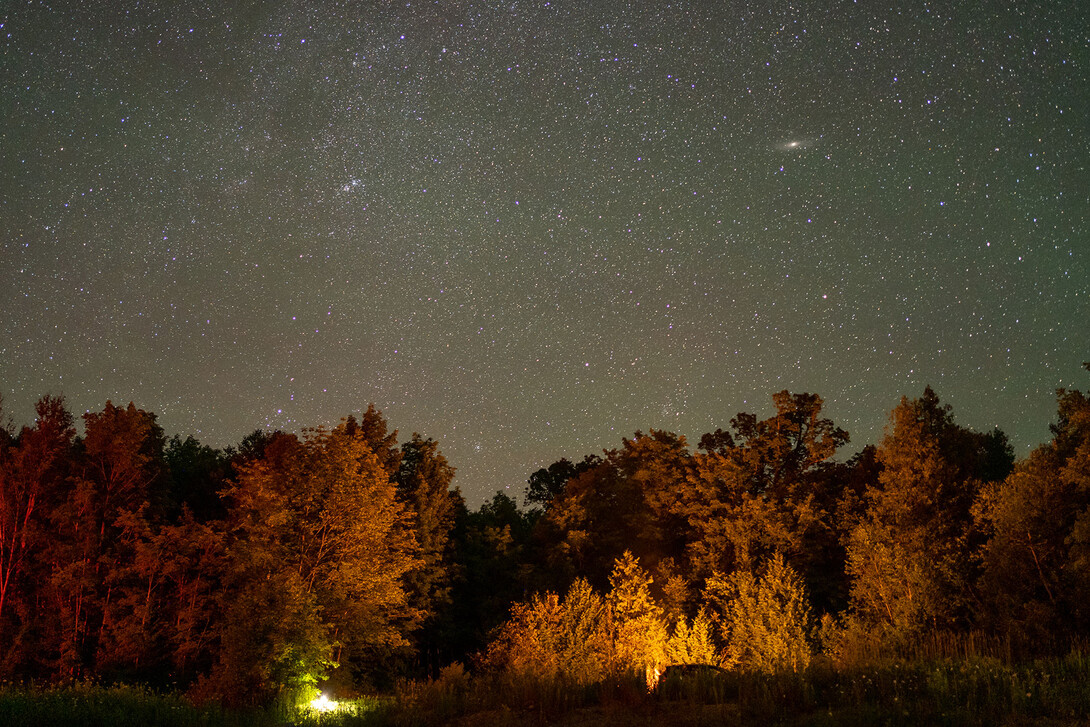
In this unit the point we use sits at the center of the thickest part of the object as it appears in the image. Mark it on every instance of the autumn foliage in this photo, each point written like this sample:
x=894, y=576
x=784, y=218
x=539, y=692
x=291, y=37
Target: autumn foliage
x=339, y=557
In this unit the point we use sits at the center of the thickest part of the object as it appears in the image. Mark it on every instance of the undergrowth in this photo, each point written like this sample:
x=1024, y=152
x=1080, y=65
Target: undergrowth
x=972, y=690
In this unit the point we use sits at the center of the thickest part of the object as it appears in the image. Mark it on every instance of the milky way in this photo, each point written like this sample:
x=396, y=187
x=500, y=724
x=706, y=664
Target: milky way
x=529, y=229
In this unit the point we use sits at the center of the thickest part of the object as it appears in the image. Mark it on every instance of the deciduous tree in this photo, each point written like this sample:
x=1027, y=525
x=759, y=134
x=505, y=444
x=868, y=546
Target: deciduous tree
x=33, y=470
x=320, y=546
x=117, y=470
x=548, y=483
x=627, y=502
x=908, y=557
x=769, y=486
x=1035, y=581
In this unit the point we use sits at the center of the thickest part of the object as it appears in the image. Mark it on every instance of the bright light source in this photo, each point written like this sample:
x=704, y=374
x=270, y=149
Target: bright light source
x=323, y=704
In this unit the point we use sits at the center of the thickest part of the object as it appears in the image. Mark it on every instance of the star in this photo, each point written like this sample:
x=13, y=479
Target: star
x=580, y=177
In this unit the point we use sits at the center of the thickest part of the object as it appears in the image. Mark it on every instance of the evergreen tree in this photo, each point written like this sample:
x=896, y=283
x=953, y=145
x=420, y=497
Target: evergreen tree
x=692, y=642
x=637, y=622
x=765, y=618
x=424, y=483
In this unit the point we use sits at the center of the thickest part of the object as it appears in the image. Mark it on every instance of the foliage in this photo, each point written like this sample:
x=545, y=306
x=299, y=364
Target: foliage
x=548, y=637
x=770, y=486
x=548, y=483
x=320, y=545
x=341, y=558
x=33, y=470
x=1036, y=571
x=584, y=637
x=638, y=629
x=765, y=620
x=626, y=502
x=424, y=480
x=116, y=473
x=492, y=549
x=197, y=475
x=908, y=557
x=692, y=641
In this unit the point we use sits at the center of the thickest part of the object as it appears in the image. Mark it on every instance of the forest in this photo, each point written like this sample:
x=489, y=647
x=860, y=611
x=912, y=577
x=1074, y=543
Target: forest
x=341, y=560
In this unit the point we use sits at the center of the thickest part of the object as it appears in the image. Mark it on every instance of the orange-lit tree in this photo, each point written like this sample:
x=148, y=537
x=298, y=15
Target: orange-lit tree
x=1036, y=562
x=548, y=638
x=625, y=502
x=117, y=469
x=909, y=557
x=637, y=623
x=319, y=545
x=768, y=486
x=764, y=617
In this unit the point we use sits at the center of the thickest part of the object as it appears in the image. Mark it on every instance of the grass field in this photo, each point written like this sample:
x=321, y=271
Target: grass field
x=86, y=705
x=968, y=691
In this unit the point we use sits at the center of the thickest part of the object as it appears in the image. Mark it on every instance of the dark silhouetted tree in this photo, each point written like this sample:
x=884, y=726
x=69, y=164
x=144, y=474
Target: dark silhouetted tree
x=547, y=483
x=425, y=485
x=495, y=560
x=197, y=475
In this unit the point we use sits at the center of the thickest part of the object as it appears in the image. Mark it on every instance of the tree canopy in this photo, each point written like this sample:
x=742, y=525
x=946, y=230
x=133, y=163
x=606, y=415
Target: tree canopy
x=341, y=555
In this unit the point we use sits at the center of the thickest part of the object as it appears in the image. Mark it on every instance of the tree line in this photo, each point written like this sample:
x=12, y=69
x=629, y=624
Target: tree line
x=339, y=556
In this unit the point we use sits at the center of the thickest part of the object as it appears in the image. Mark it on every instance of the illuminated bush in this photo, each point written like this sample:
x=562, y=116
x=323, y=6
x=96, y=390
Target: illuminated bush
x=637, y=626
x=548, y=637
x=691, y=642
x=765, y=621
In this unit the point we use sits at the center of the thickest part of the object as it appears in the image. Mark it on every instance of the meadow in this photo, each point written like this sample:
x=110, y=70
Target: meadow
x=951, y=691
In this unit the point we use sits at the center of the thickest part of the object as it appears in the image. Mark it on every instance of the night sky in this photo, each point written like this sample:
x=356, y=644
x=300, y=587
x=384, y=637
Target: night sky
x=527, y=229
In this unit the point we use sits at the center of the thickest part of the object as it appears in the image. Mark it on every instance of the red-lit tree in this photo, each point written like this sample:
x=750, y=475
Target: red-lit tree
x=33, y=470
x=115, y=469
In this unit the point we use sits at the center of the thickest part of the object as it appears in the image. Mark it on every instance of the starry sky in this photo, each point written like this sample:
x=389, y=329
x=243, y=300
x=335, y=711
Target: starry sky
x=527, y=229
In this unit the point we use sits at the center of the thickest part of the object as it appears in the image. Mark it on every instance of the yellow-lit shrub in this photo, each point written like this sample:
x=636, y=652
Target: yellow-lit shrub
x=765, y=621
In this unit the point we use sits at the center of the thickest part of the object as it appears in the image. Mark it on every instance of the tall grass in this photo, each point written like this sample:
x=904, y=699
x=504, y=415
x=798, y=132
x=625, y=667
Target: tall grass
x=973, y=690
x=89, y=705
x=969, y=691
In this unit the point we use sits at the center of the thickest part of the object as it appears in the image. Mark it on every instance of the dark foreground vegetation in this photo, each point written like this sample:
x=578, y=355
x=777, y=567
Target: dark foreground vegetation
x=930, y=578
x=969, y=690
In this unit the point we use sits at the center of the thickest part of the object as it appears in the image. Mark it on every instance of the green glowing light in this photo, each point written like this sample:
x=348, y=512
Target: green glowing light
x=323, y=704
